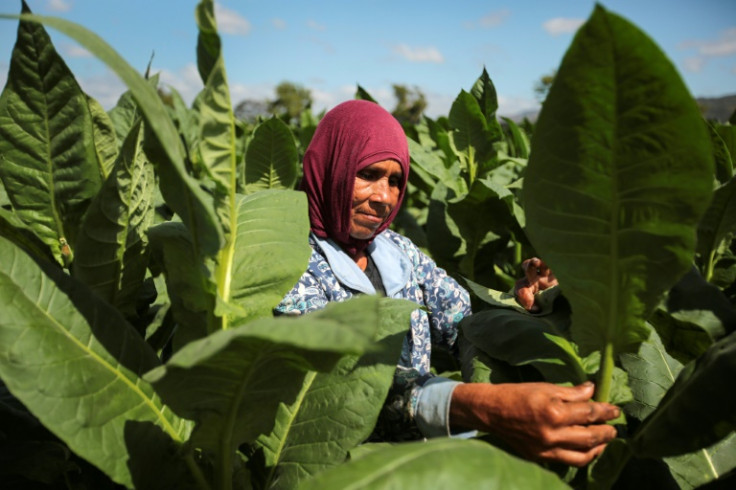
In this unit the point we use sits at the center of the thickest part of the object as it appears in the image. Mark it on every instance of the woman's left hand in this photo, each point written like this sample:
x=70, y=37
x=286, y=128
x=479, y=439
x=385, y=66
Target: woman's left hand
x=537, y=277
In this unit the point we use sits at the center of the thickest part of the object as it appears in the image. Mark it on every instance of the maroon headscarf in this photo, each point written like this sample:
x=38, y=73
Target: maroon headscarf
x=351, y=136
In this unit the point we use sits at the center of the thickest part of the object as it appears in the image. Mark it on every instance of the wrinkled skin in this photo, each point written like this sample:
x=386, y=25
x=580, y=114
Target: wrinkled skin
x=537, y=277
x=540, y=421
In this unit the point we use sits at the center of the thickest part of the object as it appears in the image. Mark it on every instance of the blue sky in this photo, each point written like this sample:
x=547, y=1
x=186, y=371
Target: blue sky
x=331, y=46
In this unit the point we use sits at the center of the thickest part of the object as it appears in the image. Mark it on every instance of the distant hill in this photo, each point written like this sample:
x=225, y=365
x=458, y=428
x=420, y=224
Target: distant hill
x=713, y=108
x=717, y=108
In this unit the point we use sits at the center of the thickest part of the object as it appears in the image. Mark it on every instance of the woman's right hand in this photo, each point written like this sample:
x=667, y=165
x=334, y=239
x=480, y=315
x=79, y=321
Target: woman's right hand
x=540, y=421
x=537, y=277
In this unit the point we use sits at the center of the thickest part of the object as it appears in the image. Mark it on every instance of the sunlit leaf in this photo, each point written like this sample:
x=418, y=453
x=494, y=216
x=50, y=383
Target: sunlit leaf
x=336, y=410
x=76, y=364
x=48, y=163
x=112, y=253
x=437, y=463
x=619, y=174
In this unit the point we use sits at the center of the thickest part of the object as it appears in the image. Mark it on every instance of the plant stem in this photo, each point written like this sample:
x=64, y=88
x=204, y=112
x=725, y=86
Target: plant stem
x=710, y=266
x=223, y=471
x=605, y=375
x=517, y=251
x=224, y=274
x=196, y=472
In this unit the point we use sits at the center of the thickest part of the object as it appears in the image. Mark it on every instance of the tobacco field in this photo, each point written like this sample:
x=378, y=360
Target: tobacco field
x=143, y=248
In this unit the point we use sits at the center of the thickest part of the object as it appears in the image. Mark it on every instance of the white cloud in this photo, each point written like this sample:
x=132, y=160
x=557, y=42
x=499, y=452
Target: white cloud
x=75, y=51
x=725, y=45
x=493, y=19
x=231, y=22
x=314, y=25
x=562, y=25
x=428, y=54
x=693, y=64
x=58, y=5
x=279, y=24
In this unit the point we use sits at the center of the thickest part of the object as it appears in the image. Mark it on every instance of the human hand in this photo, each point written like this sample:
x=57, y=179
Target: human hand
x=540, y=421
x=537, y=277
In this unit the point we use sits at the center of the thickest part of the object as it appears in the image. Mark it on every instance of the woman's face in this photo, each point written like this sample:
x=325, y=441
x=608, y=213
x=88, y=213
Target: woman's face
x=375, y=195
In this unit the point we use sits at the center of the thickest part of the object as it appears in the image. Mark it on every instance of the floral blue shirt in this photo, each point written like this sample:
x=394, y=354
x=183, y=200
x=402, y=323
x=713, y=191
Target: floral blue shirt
x=418, y=402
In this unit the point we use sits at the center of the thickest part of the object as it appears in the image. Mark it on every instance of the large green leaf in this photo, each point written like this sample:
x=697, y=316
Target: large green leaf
x=48, y=163
x=76, y=364
x=271, y=250
x=522, y=339
x=208, y=41
x=652, y=372
x=619, y=174
x=485, y=93
x=270, y=253
x=216, y=120
x=705, y=465
x=471, y=136
x=272, y=158
x=698, y=410
x=18, y=232
x=337, y=410
x=233, y=381
x=437, y=463
x=112, y=253
x=181, y=191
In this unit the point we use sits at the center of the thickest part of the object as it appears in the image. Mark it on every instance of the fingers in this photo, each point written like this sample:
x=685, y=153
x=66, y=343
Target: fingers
x=532, y=269
x=538, y=274
x=572, y=457
x=582, y=438
x=580, y=393
x=524, y=294
x=590, y=413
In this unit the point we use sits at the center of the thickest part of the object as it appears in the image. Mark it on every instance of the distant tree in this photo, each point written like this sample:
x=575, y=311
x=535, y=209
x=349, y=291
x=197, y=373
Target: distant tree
x=249, y=110
x=541, y=88
x=410, y=104
x=291, y=100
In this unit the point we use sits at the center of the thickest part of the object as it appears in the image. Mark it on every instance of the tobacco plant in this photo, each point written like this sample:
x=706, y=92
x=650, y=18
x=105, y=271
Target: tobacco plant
x=144, y=248
x=143, y=251
x=620, y=182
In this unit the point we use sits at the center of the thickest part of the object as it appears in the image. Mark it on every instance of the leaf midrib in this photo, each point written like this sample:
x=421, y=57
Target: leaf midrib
x=308, y=381
x=101, y=361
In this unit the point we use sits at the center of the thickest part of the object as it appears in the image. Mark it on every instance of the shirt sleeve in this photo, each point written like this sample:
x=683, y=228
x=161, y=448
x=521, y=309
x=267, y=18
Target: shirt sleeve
x=433, y=409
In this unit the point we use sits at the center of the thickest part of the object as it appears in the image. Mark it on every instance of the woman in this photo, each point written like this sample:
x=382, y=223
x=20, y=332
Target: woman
x=355, y=173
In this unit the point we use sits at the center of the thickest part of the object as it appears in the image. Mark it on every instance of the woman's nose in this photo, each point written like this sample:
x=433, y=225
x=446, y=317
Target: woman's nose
x=380, y=190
